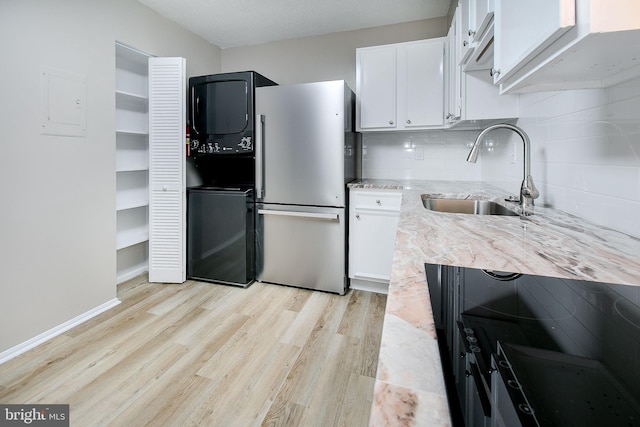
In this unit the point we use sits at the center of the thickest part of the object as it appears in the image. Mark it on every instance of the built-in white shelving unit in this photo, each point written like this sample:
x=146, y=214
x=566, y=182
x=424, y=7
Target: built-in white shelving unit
x=132, y=162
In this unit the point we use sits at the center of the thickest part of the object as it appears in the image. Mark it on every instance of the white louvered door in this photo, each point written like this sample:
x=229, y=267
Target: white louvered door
x=167, y=205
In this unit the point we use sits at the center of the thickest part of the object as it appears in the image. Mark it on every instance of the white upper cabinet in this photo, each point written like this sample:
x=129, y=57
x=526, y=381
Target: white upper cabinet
x=565, y=44
x=524, y=28
x=376, y=87
x=473, y=100
x=453, y=72
x=475, y=38
x=464, y=39
x=421, y=84
x=481, y=16
x=400, y=86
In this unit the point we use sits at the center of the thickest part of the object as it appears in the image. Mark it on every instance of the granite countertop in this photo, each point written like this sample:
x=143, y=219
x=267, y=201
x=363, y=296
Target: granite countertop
x=409, y=388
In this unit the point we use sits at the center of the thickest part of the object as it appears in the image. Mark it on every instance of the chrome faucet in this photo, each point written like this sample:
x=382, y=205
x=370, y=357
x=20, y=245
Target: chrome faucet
x=528, y=191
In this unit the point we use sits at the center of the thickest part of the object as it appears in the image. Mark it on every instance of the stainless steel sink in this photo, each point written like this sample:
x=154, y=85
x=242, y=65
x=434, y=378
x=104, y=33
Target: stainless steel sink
x=465, y=206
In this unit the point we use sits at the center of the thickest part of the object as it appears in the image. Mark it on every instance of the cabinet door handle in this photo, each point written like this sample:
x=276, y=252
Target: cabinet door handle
x=357, y=216
x=390, y=122
x=465, y=43
x=408, y=121
x=472, y=33
x=378, y=202
x=494, y=72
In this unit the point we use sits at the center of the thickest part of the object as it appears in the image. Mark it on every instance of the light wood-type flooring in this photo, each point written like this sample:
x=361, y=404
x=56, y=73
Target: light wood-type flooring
x=210, y=355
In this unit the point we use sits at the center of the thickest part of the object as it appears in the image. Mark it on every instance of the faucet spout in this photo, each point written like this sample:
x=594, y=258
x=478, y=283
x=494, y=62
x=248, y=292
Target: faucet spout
x=528, y=190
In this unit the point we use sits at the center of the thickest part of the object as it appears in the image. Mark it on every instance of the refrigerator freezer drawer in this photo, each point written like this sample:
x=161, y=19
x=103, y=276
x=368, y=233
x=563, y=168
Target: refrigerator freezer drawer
x=301, y=246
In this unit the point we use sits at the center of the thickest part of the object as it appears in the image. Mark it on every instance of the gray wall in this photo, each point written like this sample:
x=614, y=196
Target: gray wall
x=58, y=220
x=327, y=57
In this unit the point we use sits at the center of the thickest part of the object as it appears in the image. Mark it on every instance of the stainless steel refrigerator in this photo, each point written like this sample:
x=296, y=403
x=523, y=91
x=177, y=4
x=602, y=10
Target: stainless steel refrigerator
x=305, y=155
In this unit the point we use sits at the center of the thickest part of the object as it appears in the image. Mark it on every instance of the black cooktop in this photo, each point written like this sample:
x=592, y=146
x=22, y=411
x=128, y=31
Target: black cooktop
x=566, y=390
x=572, y=345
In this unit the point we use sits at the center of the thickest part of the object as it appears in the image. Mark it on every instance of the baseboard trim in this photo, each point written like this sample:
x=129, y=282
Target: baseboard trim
x=370, y=286
x=55, y=331
x=130, y=274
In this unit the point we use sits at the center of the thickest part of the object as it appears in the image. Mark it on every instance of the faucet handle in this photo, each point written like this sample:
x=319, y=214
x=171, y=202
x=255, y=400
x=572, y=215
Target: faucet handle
x=529, y=189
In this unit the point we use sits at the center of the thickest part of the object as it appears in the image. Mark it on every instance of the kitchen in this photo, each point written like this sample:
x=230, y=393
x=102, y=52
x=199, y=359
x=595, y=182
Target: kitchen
x=584, y=145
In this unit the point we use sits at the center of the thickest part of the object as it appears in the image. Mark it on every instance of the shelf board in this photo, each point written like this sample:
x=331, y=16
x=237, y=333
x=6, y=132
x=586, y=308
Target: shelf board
x=131, y=101
x=128, y=238
x=127, y=94
x=131, y=204
x=132, y=131
x=133, y=169
x=132, y=55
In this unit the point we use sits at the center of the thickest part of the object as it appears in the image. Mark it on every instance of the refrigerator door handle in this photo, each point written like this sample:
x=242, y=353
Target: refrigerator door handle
x=259, y=157
x=325, y=216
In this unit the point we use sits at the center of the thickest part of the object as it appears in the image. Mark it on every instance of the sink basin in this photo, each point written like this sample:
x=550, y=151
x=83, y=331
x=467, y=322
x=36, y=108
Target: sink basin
x=465, y=206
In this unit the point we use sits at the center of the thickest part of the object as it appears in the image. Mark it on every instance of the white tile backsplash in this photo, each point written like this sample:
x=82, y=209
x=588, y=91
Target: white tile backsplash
x=585, y=154
x=432, y=155
x=585, y=151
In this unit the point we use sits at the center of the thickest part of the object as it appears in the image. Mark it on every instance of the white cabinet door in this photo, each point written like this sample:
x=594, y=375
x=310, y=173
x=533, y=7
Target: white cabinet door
x=453, y=82
x=464, y=39
x=421, y=87
x=400, y=86
x=482, y=15
x=472, y=96
x=167, y=207
x=376, y=87
x=373, y=221
x=565, y=44
x=524, y=28
x=375, y=234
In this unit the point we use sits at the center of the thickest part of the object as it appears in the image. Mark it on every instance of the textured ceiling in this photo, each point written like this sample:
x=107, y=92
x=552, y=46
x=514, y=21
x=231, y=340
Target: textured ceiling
x=231, y=23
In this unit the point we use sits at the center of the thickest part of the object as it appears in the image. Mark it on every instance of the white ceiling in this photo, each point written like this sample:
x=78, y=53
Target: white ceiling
x=232, y=23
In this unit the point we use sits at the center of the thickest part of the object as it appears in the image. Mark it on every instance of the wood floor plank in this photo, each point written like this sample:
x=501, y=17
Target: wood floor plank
x=260, y=394
x=357, y=404
x=370, y=344
x=313, y=358
x=284, y=413
x=206, y=354
x=109, y=343
x=163, y=387
x=106, y=405
x=353, y=321
x=298, y=299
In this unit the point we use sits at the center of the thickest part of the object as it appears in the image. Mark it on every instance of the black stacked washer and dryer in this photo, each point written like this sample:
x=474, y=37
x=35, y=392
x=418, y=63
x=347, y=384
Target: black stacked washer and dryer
x=220, y=211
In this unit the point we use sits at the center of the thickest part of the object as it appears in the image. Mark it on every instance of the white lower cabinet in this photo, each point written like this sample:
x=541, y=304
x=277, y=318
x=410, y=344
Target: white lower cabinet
x=373, y=221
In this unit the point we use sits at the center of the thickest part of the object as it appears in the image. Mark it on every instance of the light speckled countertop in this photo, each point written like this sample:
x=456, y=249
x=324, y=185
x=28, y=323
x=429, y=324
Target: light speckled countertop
x=409, y=388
